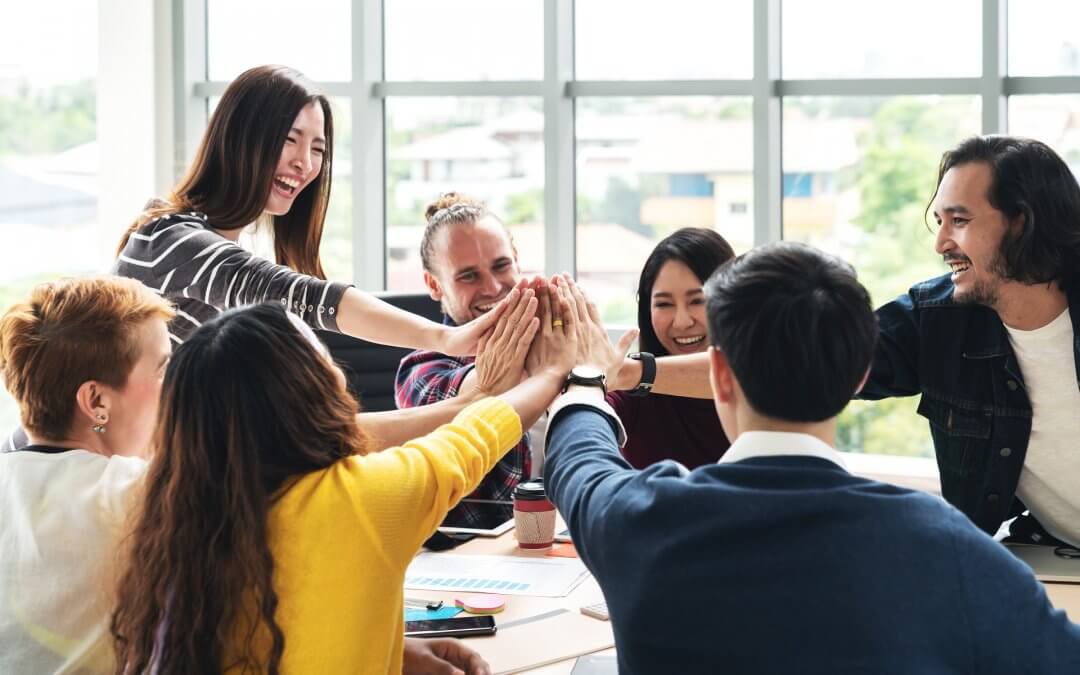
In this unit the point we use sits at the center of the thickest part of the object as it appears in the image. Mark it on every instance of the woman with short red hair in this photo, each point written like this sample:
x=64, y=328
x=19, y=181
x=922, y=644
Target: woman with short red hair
x=84, y=360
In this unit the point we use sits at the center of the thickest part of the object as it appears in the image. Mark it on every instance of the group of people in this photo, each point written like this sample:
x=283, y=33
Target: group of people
x=195, y=490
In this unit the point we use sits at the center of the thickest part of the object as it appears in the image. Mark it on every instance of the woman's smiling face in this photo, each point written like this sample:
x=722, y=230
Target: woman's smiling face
x=678, y=309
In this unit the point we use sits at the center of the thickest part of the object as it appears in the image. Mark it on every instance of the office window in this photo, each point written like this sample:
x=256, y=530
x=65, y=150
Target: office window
x=435, y=40
x=488, y=148
x=645, y=168
x=48, y=153
x=673, y=40
x=1043, y=37
x=798, y=184
x=666, y=133
x=312, y=37
x=870, y=166
x=854, y=38
x=1054, y=120
x=337, y=250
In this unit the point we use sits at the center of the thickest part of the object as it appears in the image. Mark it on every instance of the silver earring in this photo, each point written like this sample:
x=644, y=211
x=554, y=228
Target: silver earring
x=100, y=426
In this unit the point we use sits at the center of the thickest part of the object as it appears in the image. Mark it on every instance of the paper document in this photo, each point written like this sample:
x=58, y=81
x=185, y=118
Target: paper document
x=508, y=575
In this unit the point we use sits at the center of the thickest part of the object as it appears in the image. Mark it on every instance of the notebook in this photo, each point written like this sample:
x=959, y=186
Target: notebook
x=548, y=638
x=596, y=664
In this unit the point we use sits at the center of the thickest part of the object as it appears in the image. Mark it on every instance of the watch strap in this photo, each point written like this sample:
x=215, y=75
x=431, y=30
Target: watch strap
x=648, y=373
x=574, y=378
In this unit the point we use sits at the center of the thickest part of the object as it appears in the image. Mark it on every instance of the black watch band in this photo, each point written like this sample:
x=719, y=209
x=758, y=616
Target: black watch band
x=648, y=373
x=586, y=376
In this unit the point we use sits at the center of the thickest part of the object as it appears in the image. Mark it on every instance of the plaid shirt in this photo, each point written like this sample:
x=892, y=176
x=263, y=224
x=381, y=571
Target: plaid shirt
x=425, y=377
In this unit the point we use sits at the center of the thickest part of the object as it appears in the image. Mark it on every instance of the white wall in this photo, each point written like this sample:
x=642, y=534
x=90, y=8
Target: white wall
x=134, y=110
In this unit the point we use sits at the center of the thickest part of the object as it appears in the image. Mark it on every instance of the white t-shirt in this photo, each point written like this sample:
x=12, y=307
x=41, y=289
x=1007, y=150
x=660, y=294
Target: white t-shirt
x=1050, y=480
x=61, y=519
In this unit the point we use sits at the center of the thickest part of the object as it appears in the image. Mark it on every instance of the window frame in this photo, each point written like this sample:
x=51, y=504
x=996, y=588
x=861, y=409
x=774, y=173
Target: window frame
x=559, y=89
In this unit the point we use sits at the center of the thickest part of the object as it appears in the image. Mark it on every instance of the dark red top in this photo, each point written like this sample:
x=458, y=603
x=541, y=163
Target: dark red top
x=669, y=427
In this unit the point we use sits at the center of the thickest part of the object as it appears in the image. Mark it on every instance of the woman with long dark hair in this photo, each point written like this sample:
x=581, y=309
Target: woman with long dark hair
x=270, y=540
x=267, y=156
x=671, y=321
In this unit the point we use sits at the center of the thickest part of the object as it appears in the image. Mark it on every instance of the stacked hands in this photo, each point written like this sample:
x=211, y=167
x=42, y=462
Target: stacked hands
x=545, y=326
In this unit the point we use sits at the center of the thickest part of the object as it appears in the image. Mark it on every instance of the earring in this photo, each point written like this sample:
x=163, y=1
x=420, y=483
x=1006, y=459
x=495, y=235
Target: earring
x=100, y=426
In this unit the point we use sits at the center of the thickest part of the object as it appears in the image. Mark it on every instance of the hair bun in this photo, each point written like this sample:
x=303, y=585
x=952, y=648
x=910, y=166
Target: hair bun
x=448, y=199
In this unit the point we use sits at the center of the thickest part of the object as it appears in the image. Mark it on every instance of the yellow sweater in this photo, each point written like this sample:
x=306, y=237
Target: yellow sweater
x=342, y=538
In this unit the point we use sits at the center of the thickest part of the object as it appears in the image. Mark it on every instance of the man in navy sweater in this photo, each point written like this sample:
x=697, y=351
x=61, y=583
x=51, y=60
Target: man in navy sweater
x=776, y=559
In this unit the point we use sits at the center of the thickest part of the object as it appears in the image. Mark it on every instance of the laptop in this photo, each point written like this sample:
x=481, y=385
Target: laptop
x=1047, y=565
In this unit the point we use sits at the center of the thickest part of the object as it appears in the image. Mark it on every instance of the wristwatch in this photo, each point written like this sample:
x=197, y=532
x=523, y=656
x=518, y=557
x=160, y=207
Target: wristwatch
x=648, y=373
x=587, y=376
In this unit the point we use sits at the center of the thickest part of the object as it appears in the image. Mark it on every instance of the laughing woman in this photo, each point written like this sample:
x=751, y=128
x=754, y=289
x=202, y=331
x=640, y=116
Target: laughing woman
x=671, y=321
x=267, y=155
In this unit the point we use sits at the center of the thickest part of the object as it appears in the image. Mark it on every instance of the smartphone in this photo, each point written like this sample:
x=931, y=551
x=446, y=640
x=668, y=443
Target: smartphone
x=456, y=627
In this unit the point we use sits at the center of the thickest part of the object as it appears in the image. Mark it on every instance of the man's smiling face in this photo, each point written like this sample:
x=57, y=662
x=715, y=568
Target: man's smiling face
x=475, y=266
x=970, y=233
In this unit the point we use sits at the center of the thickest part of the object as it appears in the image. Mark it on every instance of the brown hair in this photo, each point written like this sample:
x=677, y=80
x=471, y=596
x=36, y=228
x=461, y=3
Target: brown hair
x=232, y=174
x=197, y=595
x=451, y=208
x=69, y=332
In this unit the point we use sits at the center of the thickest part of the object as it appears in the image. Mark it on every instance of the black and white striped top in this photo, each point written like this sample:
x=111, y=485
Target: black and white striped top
x=203, y=274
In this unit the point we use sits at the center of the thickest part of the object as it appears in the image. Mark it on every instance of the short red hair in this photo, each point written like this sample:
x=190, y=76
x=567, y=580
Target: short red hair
x=69, y=332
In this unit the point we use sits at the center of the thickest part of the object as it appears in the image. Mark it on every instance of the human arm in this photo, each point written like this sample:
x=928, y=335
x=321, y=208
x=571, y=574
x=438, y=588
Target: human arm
x=500, y=359
x=497, y=368
x=181, y=256
x=594, y=347
x=365, y=316
x=441, y=656
x=421, y=480
x=894, y=370
x=685, y=375
x=1003, y=597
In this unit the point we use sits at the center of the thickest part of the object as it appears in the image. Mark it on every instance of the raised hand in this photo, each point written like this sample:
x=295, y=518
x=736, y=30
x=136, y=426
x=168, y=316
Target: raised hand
x=594, y=347
x=500, y=358
x=464, y=340
x=555, y=346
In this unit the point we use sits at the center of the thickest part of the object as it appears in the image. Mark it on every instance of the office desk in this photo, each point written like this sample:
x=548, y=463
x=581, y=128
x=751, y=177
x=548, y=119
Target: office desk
x=520, y=606
x=1066, y=597
x=1063, y=596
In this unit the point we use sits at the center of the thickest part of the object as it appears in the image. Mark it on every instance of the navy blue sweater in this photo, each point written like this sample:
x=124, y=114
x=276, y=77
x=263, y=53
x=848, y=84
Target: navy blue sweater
x=792, y=565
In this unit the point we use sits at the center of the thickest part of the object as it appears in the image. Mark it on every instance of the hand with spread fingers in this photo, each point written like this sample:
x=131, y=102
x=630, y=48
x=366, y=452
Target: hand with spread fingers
x=594, y=347
x=500, y=358
x=555, y=346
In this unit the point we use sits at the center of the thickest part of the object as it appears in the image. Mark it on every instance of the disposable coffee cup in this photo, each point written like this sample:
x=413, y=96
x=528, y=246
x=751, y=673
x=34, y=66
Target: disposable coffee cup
x=534, y=515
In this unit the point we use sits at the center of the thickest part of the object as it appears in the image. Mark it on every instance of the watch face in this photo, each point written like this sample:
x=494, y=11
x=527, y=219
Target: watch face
x=587, y=372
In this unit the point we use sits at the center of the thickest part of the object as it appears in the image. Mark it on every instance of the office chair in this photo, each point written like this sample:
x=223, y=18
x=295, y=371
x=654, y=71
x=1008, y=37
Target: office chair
x=370, y=368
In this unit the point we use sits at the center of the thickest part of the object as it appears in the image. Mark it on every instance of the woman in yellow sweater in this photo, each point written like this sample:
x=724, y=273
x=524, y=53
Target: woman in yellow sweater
x=269, y=541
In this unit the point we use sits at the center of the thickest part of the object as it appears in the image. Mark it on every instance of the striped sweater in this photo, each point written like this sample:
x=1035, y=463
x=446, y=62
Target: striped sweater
x=203, y=274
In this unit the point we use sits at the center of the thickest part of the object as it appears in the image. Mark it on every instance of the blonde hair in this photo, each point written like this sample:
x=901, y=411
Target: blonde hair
x=69, y=332
x=449, y=209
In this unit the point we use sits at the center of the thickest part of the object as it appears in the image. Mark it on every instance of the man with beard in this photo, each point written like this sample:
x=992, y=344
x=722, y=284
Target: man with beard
x=993, y=347
x=470, y=264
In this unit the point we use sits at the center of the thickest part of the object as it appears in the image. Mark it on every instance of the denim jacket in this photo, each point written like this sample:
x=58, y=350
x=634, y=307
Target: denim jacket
x=958, y=357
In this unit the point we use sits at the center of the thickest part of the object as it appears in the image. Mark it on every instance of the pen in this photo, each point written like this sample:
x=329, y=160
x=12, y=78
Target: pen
x=430, y=605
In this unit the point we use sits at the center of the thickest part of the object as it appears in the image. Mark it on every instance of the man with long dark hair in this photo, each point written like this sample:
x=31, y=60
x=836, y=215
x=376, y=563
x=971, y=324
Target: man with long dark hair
x=777, y=559
x=993, y=347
